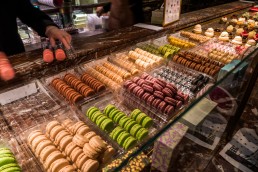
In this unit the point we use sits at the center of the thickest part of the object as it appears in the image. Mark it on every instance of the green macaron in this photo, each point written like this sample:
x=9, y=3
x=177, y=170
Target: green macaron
x=7, y=160
x=100, y=119
x=6, y=155
x=95, y=115
x=118, y=116
x=134, y=113
x=107, y=125
x=5, y=151
x=135, y=129
x=12, y=169
x=122, y=137
x=116, y=132
x=123, y=120
x=108, y=109
x=113, y=113
x=91, y=110
x=147, y=122
x=129, y=143
x=7, y=166
x=141, y=134
x=140, y=117
x=129, y=125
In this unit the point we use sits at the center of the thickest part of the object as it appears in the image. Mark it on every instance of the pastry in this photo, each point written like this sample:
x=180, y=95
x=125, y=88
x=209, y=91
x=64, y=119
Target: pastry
x=209, y=32
x=90, y=151
x=224, y=19
x=251, y=34
x=197, y=29
x=8, y=161
x=90, y=165
x=59, y=164
x=80, y=140
x=195, y=37
x=241, y=21
x=239, y=31
x=180, y=42
x=60, y=54
x=52, y=157
x=48, y=56
x=230, y=29
x=224, y=36
x=237, y=40
x=250, y=42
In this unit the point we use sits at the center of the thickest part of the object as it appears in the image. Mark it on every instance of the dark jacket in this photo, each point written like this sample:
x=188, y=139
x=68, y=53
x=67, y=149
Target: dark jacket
x=124, y=13
x=10, y=41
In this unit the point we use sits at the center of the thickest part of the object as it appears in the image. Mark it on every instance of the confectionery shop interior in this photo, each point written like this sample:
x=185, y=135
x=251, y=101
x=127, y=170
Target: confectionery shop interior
x=176, y=92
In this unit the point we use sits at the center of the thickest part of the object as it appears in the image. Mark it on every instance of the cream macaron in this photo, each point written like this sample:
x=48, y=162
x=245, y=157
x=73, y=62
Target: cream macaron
x=80, y=140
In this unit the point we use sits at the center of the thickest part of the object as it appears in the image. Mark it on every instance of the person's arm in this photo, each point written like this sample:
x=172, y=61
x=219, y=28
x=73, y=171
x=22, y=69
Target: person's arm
x=33, y=17
x=42, y=23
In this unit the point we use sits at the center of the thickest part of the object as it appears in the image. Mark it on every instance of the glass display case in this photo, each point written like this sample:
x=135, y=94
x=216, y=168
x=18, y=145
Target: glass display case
x=171, y=103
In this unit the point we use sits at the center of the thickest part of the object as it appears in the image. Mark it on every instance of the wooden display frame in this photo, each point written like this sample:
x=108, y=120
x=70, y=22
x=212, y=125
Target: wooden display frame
x=172, y=11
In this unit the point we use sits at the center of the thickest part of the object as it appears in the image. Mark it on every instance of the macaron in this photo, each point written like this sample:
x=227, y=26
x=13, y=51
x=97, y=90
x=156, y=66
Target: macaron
x=37, y=140
x=41, y=146
x=51, y=125
x=55, y=155
x=147, y=122
x=135, y=129
x=122, y=137
x=46, y=152
x=82, y=158
x=10, y=167
x=7, y=160
x=95, y=115
x=134, y=113
x=48, y=56
x=83, y=130
x=123, y=121
x=69, y=148
x=60, y=54
x=89, y=151
x=129, y=125
x=116, y=132
x=33, y=135
x=141, y=134
x=59, y=164
x=77, y=125
x=129, y=143
x=90, y=165
x=80, y=140
x=65, y=141
x=118, y=116
x=107, y=125
x=59, y=136
x=54, y=131
x=90, y=134
x=98, y=144
x=100, y=119
x=140, y=117
x=68, y=168
x=5, y=151
x=91, y=110
x=108, y=109
x=113, y=113
x=107, y=155
x=75, y=154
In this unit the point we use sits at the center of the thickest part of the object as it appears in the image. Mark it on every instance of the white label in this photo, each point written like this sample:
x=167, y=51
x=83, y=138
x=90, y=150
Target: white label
x=17, y=93
x=147, y=26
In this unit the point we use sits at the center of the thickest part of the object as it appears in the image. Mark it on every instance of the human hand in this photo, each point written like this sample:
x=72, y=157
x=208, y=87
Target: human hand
x=6, y=69
x=53, y=33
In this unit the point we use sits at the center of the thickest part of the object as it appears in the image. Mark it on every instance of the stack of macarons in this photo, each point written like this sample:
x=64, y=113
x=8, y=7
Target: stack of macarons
x=102, y=121
x=69, y=147
x=93, y=83
x=8, y=162
x=156, y=93
x=121, y=72
x=141, y=118
x=123, y=138
x=68, y=92
x=104, y=79
x=48, y=55
x=109, y=73
x=47, y=153
x=129, y=124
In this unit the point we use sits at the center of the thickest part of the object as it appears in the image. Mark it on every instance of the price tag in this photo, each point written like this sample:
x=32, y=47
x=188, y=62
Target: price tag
x=172, y=11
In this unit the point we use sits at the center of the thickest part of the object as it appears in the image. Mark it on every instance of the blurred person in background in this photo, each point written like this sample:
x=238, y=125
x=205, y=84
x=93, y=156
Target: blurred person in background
x=123, y=13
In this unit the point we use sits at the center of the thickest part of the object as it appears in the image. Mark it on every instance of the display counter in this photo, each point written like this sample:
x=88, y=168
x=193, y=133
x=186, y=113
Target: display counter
x=136, y=99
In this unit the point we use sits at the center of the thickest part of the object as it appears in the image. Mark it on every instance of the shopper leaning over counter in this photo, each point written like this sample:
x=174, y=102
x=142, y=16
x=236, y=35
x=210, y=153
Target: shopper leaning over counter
x=10, y=41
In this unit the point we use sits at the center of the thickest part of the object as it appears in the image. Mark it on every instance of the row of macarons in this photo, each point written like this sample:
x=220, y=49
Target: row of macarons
x=8, y=162
x=68, y=146
x=135, y=127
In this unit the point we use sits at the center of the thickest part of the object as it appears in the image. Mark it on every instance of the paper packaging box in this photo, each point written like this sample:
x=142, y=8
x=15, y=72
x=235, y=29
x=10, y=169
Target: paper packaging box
x=165, y=151
x=238, y=73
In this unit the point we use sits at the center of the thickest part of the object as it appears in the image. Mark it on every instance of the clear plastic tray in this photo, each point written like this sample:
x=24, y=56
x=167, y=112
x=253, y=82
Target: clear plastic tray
x=60, y=116
x=57, y=95
x=184, y=76
x=32, y=106
x=116, y=101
